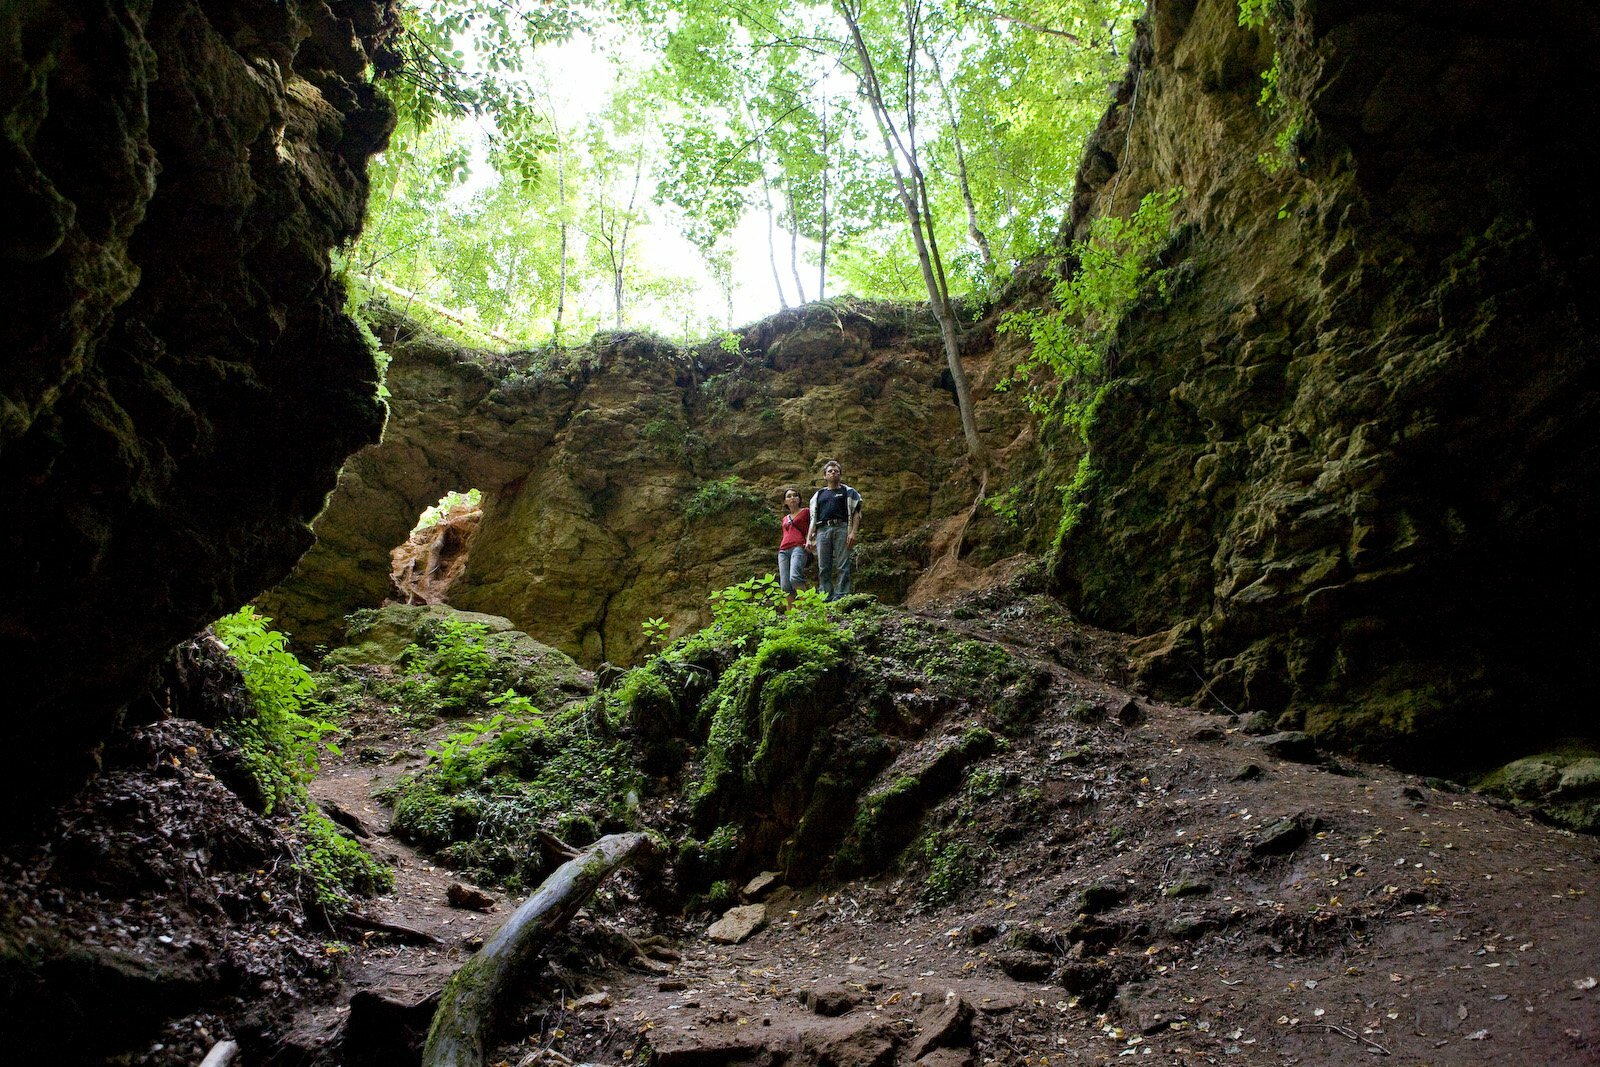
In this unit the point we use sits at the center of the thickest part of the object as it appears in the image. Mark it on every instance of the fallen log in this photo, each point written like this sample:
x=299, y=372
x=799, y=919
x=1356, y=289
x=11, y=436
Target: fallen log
x=221, y=1055
x=471, y=997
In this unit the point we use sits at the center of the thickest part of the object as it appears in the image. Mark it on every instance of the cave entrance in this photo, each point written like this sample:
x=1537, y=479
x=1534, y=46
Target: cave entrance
x=435, y=554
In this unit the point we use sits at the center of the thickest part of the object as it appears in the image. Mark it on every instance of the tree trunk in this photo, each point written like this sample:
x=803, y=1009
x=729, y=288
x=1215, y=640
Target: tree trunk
x=221, y=1055
x=772, y=241
x=980, y=240
x=911, y=195
x=627, y=224
x=470, y=1000
x=794, y=245
x=561, y=285
x=822, y=258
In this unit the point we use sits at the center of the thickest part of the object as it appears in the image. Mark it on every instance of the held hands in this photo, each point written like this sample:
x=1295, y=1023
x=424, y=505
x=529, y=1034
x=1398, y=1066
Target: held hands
x=850, y=539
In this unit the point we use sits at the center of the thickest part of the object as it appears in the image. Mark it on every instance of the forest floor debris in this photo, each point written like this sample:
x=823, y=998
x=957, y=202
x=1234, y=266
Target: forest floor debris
x=1150, y=884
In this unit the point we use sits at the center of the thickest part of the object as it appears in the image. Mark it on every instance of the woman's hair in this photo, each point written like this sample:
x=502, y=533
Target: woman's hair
x=787, y=490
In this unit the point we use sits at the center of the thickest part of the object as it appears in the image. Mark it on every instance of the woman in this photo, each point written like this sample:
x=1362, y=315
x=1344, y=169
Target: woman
x=792, y=544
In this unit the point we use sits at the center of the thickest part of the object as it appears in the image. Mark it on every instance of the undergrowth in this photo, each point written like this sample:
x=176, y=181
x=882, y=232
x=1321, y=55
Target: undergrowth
x=279, y=747
x=1289, y=116
x=490, y=788
x=434, y=514
x=1069, y=367
x=458, y=669
x=722, y=495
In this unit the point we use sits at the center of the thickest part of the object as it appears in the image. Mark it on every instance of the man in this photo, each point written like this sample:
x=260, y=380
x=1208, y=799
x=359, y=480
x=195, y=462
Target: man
x=835, y=520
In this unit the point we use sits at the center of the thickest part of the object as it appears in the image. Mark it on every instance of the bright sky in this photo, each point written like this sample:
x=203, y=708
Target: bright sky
x=579, y=76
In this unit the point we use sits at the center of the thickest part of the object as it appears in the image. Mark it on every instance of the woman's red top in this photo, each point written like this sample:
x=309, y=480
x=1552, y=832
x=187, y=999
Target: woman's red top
x=794, y=529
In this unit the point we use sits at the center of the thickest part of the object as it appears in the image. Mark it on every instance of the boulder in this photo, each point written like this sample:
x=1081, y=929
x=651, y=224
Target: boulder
x=941, y=1026
x=761, y=886
x=738, y=924
x=1562, y=786
x=380, y=637
x=1291, y=745
x=829, y=999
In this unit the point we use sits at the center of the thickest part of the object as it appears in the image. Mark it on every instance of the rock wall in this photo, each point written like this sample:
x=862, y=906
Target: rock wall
x=1349, y=478
x=594, y=470
x=180, y=382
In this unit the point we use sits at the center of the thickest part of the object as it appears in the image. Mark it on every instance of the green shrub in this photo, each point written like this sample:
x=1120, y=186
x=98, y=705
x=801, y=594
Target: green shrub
x=656, y=631
x=745, y=610
x=1008, y=506
x=721, y=847
x=952, y=867
x=1292, y=118
x=450, y=670
x=721, y=896
x=279, y=746
x=723, y=495
x=1070, y=343
x=983, y=783
x=337, y=866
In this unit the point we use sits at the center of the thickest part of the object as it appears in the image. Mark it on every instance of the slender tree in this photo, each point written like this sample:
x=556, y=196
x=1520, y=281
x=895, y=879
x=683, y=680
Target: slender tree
x=901, y=153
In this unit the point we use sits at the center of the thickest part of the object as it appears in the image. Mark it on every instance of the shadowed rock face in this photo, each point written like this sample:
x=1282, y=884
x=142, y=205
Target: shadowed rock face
x=180, y=383
x=1350, y=476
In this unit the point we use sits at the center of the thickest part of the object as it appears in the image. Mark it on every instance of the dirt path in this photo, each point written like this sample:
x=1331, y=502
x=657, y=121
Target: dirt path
x=1160, y=905
x=414, y=938
x=1166, y=888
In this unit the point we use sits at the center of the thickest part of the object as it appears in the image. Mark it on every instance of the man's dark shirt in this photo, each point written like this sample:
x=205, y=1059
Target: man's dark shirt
x=829, y=505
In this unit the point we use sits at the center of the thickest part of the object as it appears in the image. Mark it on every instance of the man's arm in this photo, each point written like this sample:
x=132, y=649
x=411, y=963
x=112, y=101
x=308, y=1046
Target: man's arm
x=811, y=526
x=855, y=518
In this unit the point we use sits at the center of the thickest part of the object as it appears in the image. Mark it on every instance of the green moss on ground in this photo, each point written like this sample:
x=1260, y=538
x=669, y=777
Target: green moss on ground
x=487, y=791
x=791, y=715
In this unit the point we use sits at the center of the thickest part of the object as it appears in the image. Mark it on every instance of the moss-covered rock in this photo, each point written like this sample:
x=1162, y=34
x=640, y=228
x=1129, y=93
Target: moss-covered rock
x=825, y=734
x=431, y=661
x=1563, y=786
x=181, y=383
x=381, y=636
x=1346, y=473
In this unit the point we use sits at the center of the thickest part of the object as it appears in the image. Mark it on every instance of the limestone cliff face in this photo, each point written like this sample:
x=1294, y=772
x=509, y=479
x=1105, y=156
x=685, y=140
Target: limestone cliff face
x=180, y=383
x=1350, y=475
x=595, y=472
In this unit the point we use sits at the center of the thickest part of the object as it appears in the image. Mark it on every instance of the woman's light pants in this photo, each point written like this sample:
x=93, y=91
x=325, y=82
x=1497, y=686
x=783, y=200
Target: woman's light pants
x=792, y=568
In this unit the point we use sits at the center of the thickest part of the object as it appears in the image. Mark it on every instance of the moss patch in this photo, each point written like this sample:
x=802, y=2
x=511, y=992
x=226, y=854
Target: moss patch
x=1563, y=786
x=489, y=789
